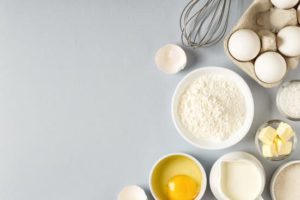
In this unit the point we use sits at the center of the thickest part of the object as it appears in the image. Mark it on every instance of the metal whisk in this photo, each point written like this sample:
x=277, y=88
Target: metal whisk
x=204, y=22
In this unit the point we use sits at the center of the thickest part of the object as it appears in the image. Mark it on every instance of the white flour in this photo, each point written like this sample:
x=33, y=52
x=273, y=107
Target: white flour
x=212, y=107
x=289, y=100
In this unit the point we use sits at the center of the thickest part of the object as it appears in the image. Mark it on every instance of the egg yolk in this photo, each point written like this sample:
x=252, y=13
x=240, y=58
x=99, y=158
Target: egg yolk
x=182, y=187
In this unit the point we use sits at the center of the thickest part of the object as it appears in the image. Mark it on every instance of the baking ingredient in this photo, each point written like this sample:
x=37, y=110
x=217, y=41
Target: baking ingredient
x=286, y=184
x=132, y=192
x=283, y=147
x=240, y=179
x=276, y=142
x=267, y=135
x=288, y=40
x=269, y=150
x=280, y=18
x=284, y=4
x=180, y=170
x=212, y=108
x=285, y=131
x=182, y=187
x=268, y=41
x=289, y=99
x=270, y=67
x=170, y=59
x=244, y=45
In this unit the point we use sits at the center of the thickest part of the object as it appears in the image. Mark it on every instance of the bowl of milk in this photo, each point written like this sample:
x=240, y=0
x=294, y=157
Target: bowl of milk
x=237, y=175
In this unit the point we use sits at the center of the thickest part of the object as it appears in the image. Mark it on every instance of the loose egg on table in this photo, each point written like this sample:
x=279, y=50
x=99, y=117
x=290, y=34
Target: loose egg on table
x=132, y=192
x=178, y=177
x=244, y=45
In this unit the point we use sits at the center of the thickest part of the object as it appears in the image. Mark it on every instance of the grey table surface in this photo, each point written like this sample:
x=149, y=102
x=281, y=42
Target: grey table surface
x=83, y=109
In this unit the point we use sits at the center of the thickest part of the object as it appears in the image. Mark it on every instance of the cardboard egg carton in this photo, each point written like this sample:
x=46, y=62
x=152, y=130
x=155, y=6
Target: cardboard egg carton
x=258, y=18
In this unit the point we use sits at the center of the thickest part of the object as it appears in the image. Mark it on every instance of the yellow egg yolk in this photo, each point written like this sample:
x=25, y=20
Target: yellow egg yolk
x=182, y=187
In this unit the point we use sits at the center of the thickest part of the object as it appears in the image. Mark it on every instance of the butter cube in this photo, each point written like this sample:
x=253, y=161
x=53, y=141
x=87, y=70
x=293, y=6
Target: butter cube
x=285, y=131
x=269, y=150
x=283, y=148
x=267, y=135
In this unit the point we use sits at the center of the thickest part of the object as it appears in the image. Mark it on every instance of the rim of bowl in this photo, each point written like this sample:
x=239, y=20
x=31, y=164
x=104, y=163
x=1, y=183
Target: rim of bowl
x=203, y=173
x=281, y=88
x=257, y=140
x=276, y=173
x=248, y=101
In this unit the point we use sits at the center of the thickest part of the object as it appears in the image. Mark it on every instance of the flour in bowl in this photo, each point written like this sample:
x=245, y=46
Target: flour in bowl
x=212, y=107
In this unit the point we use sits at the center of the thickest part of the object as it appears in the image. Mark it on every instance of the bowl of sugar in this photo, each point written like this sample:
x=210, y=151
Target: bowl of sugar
x=288, y=100
x=212, y=108
x=285, y=182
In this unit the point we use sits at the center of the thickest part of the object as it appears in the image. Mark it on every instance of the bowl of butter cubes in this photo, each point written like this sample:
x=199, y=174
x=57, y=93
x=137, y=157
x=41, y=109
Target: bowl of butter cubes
x=275, y=140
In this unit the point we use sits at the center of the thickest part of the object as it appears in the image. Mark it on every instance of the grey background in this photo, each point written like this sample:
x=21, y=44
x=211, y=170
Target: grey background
x=83, y=109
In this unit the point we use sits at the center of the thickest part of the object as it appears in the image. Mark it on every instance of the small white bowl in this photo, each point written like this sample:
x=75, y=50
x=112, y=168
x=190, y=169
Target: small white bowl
x=276, y=173
x=279, y=95
x=214, y=177
x=202, y=171
x=244, y=88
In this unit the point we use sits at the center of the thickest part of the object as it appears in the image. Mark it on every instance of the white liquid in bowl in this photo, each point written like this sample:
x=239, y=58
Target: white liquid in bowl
x=240, y=179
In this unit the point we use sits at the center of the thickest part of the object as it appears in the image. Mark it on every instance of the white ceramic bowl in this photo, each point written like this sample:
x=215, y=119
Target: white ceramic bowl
x=244, y=88
x=203, y=180
x=214, y=177
x=275, y=175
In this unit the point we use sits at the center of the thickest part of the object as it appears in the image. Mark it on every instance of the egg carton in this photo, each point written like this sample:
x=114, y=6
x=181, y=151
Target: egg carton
x=257, y=18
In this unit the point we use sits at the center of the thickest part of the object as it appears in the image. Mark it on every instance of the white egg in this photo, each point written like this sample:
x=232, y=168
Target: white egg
x=284, y=4
x=170, y=59
x=244, y=45
x=132, y=192
x=270, y=67
x=288, y=41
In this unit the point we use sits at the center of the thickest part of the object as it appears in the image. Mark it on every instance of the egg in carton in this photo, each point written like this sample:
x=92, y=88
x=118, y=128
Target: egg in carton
x=268, y=22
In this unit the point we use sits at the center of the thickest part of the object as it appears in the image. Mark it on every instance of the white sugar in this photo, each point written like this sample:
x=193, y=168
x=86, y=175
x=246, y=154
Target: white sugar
x=287, y=183
x=289, y=100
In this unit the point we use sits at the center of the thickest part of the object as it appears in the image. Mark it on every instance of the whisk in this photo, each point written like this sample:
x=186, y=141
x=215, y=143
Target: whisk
x=204, y=22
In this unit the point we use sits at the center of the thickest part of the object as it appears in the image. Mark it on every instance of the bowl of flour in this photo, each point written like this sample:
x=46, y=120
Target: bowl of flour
x=212, y=108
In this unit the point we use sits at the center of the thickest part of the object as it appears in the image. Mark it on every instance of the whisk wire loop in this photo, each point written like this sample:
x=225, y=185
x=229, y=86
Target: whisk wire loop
x=204, y=22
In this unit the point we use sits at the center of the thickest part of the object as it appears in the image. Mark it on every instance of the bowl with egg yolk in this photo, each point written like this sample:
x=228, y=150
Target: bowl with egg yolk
x=177, y=176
